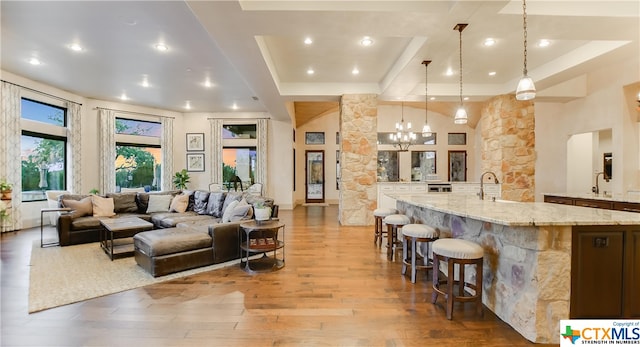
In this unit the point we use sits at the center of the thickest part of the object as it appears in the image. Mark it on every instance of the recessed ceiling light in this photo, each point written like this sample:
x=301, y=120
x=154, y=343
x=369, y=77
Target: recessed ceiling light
x=207, y=83
x=492, y=73
x=161, y=47
x=75, y=47
x=124, y=97
x=489, y=42
x=234, y=106
x=34, y=61
x=308, y=41
x=187, y=105
x=366, y=41
x=145, y=82
x=355, y=71
x=466, y=98
x=432, y=98
x=310, y=71
x=544, y=43
x=449, y=72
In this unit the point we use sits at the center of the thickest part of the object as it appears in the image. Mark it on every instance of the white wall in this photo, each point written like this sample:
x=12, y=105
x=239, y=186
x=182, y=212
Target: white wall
x=580, y=149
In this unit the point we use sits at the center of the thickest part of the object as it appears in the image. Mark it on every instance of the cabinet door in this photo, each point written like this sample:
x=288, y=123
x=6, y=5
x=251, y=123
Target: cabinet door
x=558, y=200
x=632, y=275
x=593, y=203
x=596, y=273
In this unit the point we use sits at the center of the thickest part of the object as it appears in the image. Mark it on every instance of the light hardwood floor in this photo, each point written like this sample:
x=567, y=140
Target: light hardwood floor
x=337, y=289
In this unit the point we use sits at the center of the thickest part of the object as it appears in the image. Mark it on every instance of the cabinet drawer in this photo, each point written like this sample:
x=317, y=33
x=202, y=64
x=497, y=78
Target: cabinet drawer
x=593, y=203
x=385, y=188
x=558, y=200
x=626, y=206
x=419, y=188
x=402, y=188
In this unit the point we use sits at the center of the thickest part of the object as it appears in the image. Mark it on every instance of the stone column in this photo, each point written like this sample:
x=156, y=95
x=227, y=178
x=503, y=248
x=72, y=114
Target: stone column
x=508, y=145
x=358, y=156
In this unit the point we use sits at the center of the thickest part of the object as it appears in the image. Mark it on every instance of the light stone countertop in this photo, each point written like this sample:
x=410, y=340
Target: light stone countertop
x=634, y=198
x=518, y=213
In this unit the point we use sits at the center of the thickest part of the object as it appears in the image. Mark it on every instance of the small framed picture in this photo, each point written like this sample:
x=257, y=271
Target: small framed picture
x=314, y=138
x=195, y=141
x=195, y=162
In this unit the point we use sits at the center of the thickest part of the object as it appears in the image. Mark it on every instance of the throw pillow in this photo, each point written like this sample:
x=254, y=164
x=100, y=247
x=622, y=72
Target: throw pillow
x=200, y=201
x=179, y=203
x=215, y=204
x=159, y=203
x=102, y=207
x=231, y=196
x=226, y=217
x=124, y=202
x=241, y=211
x=81, y=207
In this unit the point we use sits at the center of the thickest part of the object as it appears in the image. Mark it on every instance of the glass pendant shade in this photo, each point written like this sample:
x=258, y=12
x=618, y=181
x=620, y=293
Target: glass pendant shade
x=426, y=130
x=461, y=116
x=526, y=89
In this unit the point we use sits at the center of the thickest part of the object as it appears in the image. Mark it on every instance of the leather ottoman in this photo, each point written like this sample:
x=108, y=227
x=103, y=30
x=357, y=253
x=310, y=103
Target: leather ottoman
x=164, y=251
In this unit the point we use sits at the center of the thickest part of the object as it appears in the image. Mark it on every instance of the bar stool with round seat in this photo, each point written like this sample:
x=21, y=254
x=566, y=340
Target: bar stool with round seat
x=457, y=253
x=379, y=214
x=412, y=234
x=394, y=222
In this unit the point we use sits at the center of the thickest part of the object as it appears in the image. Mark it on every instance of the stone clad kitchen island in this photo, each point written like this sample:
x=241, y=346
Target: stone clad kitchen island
x=543, y=262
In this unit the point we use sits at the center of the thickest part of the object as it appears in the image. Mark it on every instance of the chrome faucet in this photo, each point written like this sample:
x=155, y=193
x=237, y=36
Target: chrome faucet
x=596, y=189
x=495, y=178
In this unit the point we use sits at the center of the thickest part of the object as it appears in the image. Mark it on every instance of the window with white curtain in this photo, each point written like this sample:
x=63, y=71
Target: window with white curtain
x=138, y=161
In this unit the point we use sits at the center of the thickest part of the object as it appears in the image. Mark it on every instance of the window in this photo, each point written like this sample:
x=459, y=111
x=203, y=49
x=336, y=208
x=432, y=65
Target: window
x=388, y=169
x=241, y=162
x=138, y=154
x=43, y=149
x=239, y=131
x=423, y=165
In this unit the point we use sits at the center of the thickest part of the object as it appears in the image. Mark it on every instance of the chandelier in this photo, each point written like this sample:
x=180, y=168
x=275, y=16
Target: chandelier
x=426, y=129
x=461, y=113
x=526, y=90
x=403, y=137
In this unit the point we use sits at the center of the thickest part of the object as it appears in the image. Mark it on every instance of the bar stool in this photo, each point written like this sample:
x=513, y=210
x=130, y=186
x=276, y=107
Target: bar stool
x=379, y=214
x=414, y=233
x=393, y=222
x=461, y=253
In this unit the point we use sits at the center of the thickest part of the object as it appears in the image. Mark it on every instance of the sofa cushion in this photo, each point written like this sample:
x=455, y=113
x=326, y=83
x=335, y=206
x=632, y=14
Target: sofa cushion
x=179, y=203
x=124, y=202
x=142, y=199
x=155, y=243
x=159, y=203
x=231, y=197
x=82, y=207
x=170, y=220
x=216, y=203
x=102, y=207
x=228, y=212
x=200, y=199
x=241, y=211
x=254, y=199
x=85, y=223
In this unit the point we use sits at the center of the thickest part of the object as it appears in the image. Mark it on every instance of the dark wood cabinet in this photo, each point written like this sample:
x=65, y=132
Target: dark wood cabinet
x=594, y=203
x=605, y=266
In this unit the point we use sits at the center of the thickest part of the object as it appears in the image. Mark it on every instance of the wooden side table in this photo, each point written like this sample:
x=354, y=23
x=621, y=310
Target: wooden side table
x=261, y=237
x=47, y=210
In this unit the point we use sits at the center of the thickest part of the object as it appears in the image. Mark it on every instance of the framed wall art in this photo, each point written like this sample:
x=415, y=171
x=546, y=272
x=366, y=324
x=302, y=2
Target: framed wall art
x=195, y=162
x=314, y=138
x=195, y=142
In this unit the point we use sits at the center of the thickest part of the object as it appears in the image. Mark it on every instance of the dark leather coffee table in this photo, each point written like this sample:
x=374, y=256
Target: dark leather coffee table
x=116, y=234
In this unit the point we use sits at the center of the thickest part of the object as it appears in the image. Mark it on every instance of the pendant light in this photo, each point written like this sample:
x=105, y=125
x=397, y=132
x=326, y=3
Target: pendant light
x=461, y=113
x=525, y=90
x=426, y=129
x=403, y=137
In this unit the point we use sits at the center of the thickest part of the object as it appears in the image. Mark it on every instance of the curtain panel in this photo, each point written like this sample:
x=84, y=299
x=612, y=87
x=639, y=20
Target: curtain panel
x=107, y=151
x=74, y=140
x=167, y=153
x=10, y=164
x=261, y=170
x=216, y=150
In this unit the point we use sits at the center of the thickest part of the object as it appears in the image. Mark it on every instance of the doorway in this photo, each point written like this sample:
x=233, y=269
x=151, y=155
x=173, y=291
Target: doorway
x=314, y=176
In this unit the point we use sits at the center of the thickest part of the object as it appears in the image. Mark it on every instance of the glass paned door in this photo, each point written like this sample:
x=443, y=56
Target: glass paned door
x=314, y=169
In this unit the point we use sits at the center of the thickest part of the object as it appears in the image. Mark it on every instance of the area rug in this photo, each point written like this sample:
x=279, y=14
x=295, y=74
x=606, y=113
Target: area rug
x=64, y=275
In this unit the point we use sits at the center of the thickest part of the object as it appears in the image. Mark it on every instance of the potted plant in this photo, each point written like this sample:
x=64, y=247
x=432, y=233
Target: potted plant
x=261, y=212
x=5, y=189
x=180, y=179
x=3, y=210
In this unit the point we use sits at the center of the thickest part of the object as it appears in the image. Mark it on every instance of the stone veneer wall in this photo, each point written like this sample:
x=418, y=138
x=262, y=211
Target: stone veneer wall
x=526, y=270
x=358, y=158
x=508, y=145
